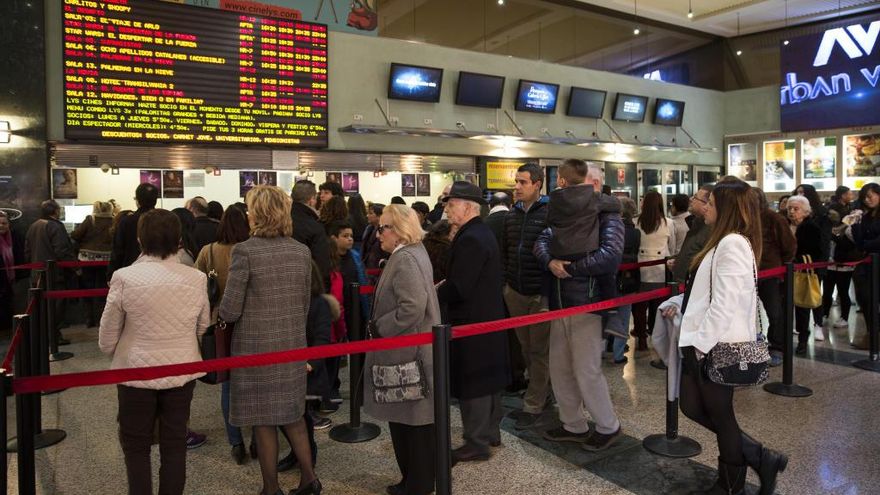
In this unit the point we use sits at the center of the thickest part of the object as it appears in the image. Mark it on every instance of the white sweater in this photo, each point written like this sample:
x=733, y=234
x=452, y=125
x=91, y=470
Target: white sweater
x=732, y=314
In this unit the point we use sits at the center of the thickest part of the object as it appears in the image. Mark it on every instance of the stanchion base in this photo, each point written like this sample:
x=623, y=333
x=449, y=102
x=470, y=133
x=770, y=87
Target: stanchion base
x=678, y=447
x=792, y=390
x=867, y=364
x=60, y=356
x=355, y=434
x=52, y=392
x=42, y=440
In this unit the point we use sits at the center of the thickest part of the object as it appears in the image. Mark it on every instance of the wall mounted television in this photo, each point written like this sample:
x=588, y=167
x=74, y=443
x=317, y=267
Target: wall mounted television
x=414, y=83
x=583, y=102
x=668, y=112
x=479, y=90
x=538, y=97
x=630, y=108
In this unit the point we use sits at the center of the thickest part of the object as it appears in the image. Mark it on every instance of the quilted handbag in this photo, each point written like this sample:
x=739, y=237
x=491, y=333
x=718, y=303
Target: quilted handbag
x=807, y=293
x=399, y=382
x=216, y=343
x=738, y=364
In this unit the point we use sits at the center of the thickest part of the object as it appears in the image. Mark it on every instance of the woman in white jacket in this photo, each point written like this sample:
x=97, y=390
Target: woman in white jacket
x=720, y=305
x=156, y=310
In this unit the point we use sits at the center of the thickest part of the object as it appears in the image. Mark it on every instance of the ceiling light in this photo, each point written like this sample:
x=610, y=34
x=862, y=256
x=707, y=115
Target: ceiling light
x=690, y=10
x=739, y=52
x=785, y=42
x=500, y=2
x=636, y=31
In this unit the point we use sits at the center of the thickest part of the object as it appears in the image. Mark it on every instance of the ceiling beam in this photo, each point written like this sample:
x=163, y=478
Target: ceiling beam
x=515, y=31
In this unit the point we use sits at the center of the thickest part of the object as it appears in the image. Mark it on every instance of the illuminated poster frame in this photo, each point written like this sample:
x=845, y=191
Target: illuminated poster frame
x=819, y=162
x=778, y=165
x=742, y=162
x=861, y=160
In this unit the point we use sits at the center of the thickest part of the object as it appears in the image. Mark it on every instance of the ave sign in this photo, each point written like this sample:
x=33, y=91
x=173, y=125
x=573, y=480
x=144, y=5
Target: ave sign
x=829, y=80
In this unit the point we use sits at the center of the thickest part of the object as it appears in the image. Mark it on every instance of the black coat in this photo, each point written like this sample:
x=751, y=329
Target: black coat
x=318, y=330
x=372, y=252
x=628, y=281
x=495, y=222
x=866, y=233
x=809, y=241
x=522, y=271
x=309, y=231
x=126, y=248
x=204, y=232
x=472, y=294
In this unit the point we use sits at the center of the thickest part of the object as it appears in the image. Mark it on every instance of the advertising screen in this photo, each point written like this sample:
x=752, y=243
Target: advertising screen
x=829, y=79
x=668, y=112
x=537, y=97
x=412, y=82
x=584, y=102
x=479, y=90
x=630, y=108
x=146, y=71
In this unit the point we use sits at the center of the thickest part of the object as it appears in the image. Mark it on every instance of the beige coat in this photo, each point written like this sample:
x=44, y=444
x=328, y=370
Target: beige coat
x=654, y=246
x=155, y=313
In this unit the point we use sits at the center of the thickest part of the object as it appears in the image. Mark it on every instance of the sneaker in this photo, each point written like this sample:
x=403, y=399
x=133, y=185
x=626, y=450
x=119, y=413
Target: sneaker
x=322, y=423
x=195, y=440
x=818, y=334
x=600, y=441
x=841, y=323
x=560, y=434
x=328, y=407
x=801, y=349
x=526, y=420
x=335, y=397
x=775, y=359
x=622, y=360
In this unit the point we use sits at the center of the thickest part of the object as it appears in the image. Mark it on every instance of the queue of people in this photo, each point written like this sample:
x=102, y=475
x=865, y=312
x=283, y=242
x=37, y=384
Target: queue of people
x=282, y=265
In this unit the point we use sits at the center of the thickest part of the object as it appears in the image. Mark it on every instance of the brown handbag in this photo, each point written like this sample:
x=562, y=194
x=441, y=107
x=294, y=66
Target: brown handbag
x=216, y=344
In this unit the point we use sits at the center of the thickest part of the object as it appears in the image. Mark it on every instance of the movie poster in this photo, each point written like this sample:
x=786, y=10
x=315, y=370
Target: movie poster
x=862, y=157
x=351, y=183
x=552, y=174
x=819, y=157
x=172, y=184
x=334, y=177
x=64, y=184
x=423, y=185
x=153, y=177
x=246, y=182
x=779, y=165
x=267, y=178
x=742, y=162
x=407, y=185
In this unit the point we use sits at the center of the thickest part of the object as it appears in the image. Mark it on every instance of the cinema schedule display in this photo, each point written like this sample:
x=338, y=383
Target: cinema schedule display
x=149, y=71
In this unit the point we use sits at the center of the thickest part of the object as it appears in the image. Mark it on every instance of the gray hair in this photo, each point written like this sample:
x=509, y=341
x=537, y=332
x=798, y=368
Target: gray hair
x=627, y=208
x=303, y=191
x=802, y=201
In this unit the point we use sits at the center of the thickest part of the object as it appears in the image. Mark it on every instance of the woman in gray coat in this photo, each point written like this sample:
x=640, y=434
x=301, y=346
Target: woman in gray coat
x=267, y=295
x=405, y=303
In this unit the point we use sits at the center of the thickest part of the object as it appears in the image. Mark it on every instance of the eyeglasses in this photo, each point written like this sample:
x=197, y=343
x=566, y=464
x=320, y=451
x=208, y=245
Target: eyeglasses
x=382, y=228
x=695, y=198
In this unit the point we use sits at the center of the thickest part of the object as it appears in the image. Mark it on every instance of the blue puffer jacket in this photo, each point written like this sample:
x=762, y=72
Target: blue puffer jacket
x=581, y=287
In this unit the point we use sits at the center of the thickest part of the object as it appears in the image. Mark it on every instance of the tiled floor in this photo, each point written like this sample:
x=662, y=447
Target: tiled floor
x=831, y=437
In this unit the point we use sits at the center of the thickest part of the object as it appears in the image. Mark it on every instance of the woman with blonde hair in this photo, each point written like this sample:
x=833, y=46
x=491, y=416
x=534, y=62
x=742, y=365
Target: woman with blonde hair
x=405, y=303
x=95, y=241
x=267, y=295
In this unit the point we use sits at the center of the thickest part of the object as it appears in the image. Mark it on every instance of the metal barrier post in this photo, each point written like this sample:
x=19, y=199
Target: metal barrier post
x=787, y=387
x=443, y=448
x=670, y=443
x=355, y=431
x=873, y=361
x=52, y=284
x=5, y=392
x=24, y=418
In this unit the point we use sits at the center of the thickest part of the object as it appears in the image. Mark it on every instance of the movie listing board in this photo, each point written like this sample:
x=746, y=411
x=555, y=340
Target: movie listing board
x=142, y=70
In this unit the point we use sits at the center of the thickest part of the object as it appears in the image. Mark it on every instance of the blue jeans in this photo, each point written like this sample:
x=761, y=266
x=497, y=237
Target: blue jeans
x=619, y=345
x=233, y=433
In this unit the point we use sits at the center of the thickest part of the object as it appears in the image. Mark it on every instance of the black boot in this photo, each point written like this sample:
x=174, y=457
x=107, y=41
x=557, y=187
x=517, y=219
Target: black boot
x=731, y=481
x=767, y=463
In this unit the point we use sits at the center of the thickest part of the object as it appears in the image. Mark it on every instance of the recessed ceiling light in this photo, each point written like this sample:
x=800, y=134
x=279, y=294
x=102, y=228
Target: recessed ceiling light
x=636, y=31
x=739, y=52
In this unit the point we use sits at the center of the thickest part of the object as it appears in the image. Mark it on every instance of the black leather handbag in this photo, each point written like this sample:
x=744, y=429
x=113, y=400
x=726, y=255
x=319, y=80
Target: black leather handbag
x=213, y=283
x=217, y=343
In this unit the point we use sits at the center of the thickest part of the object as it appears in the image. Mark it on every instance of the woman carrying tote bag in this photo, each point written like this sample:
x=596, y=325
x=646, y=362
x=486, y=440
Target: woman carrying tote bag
x=809, y=249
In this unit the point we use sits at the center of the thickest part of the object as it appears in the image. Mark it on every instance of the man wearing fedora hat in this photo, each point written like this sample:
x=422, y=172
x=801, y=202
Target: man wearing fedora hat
x=471, y=293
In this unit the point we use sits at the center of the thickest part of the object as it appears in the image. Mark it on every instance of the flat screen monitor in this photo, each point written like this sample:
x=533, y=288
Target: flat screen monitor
x=479, y=90
x=539, y=97
x=415, y=83
x=668, y=112
x=583, y=102
x=630, y=108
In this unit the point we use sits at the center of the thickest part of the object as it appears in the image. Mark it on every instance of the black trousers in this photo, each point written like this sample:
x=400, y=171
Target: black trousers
x=414, y=450
x=710, y=405
x=770, y=292
x=802, y=323
x=862, y=279
x=841, y=281
x=139, y=408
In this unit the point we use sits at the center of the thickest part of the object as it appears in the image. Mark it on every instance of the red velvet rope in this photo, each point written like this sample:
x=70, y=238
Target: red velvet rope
x=632, y=266
x=61, y=264
x=75, y=293
x=16, y=338
x=367, y=289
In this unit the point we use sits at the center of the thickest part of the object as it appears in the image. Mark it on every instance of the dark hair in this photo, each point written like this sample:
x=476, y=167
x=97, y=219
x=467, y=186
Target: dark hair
x=187, y=223
x=215, y=210
x=377, y=208
x=499, y=198
x=159, y=233
x=234, y=227
x=681, y=202
x=606, y=189
x=357, y=208
x=335, y=188
x=241, y=206
x=863, y=195
x=811, y=195
x=738, y=213
x=397, y=200
x=439, y=229
x=840, y=191
x=782, y=198
x=198, y=205
x=574, y=171
x=536, y=173
x=652, y=212
x=49, y=208
x=317, y=281
x=336, y=227
x=146, y=195
x=303, y=191
x=421, y=207
x=334, y=210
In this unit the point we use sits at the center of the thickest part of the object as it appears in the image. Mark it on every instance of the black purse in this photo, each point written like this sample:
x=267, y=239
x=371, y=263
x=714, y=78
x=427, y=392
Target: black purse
x=213, y=283
x=738, y=364
x=217, y=343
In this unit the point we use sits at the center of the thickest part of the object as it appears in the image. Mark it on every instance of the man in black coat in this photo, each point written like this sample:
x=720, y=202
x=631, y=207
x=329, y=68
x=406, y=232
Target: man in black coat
x=205, y=228
x=472, y=293
x=499, y=208
x=307, y=229
x=126, y=248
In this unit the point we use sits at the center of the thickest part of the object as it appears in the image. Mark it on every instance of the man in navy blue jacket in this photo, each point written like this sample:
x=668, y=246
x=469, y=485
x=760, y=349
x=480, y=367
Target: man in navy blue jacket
x=576, y=342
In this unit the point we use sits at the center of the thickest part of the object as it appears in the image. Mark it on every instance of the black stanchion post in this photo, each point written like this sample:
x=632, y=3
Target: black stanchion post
x=873, y=361
x=355, y=430
x=442, y=336
x=24, y=418
x=5, y=390
x=51, y=317
x=670, y=443
x=787, y=387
